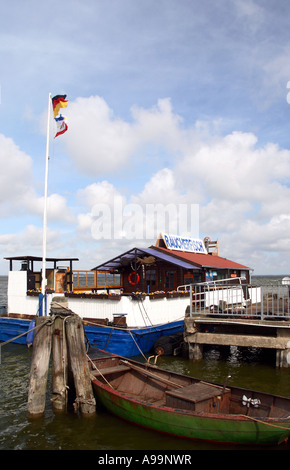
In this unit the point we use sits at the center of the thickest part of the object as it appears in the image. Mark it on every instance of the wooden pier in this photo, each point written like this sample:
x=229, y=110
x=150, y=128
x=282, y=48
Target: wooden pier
x=203, y=330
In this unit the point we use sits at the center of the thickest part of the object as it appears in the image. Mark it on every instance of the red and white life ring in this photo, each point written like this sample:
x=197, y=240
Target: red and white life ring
x=130, y=278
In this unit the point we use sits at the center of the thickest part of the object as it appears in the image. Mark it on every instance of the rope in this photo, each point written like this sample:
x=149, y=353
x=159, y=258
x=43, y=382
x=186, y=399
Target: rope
x=60, y=393
x=127, y=330
x=141, y=352
x=95, y=367
x=64, y=348
x=139, y=302
x=110, y=334
x=266, y=423
x=25, y=333
x=83, y=401
x=101, y=325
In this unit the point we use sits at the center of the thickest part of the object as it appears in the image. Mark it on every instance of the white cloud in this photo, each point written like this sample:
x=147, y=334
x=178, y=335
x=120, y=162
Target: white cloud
x=98, y=141
x=161, y=188
x=29, y=241
x=158, y=124
x=15, y=176
x=235, y=169
x=101, y=192
x=102, y=202
x=17, y=187
x=57, y=209
x=101, y=143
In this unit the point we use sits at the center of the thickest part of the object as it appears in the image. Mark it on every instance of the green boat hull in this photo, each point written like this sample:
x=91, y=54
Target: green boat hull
x=193, y=425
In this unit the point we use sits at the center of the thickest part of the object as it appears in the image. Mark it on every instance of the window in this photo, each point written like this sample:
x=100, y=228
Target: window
x=169, y=280
x=83, y=279
x=88, y=280
x=101, y=279
x=105, y=279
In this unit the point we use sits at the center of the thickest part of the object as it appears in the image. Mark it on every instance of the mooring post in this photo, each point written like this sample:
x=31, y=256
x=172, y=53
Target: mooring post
x=39, y=366
x=79, y=365
x=59, y=366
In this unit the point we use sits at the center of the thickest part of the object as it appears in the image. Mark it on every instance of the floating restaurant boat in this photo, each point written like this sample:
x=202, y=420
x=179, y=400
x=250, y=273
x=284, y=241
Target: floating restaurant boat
x=188, y=407
x=126, y=303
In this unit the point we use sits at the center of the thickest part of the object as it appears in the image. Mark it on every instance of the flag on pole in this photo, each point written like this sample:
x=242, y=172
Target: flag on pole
x=62, y=126
x=58, y=101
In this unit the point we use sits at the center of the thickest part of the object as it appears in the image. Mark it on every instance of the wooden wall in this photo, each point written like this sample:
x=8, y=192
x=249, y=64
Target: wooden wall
x=162, y=276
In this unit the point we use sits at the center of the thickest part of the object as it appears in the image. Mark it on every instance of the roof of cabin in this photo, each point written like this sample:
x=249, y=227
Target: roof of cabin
x=128, y=257
x=203, y=260
x=182, y=259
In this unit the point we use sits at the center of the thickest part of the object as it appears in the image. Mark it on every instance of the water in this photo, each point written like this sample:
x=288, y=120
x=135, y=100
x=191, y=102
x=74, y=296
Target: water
x=3, y=290
x=250, y=368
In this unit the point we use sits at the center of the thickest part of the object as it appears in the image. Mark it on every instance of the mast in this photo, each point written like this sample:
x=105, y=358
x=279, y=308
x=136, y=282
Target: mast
x=43, y=281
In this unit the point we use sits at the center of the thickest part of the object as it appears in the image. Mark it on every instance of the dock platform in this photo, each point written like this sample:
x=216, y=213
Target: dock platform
x=238, y=314
x=246, y=332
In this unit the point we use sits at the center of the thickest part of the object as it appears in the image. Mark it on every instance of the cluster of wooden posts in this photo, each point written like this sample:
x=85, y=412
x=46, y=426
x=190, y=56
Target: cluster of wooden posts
x=60, y=337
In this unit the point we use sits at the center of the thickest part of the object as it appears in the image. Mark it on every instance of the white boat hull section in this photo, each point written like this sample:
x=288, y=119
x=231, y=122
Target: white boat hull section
x=138, y=313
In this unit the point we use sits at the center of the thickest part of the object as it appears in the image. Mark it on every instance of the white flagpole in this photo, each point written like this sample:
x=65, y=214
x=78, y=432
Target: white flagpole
x=43, y=282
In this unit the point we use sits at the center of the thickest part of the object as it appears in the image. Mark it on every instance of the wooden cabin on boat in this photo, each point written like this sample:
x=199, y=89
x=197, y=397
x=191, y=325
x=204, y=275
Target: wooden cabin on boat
x=172, y=262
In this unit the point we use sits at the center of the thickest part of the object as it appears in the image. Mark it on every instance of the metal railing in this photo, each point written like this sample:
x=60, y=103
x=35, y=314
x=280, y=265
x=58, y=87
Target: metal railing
x=235, y=298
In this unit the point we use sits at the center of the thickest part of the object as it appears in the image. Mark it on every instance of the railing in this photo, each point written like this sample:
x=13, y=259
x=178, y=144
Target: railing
x=234, y=297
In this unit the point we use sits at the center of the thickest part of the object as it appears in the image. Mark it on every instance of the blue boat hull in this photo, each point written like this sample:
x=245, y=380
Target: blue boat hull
x=12, y=328
x=124, y=342
x=130, y=342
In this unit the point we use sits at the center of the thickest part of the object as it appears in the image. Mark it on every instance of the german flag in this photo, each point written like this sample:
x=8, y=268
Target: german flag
x=58, y=101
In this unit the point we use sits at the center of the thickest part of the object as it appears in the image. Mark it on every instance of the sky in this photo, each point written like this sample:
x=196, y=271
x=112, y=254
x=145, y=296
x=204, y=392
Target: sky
x=178, y=122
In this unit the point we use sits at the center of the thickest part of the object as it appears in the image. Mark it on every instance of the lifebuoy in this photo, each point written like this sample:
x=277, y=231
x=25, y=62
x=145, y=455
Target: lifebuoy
x=137, y=278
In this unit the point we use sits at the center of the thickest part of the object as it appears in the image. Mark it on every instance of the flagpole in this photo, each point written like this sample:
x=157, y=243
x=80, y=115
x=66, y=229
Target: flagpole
x=43, y=281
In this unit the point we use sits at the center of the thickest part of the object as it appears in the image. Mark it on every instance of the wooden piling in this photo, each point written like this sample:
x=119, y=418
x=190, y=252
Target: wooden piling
x=85, y=400
x=59, y=366
x=39, y=366
x=70, y=369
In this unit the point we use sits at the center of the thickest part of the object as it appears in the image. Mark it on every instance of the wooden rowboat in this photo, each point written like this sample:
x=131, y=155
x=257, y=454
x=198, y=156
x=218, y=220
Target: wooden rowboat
x=188, y=407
